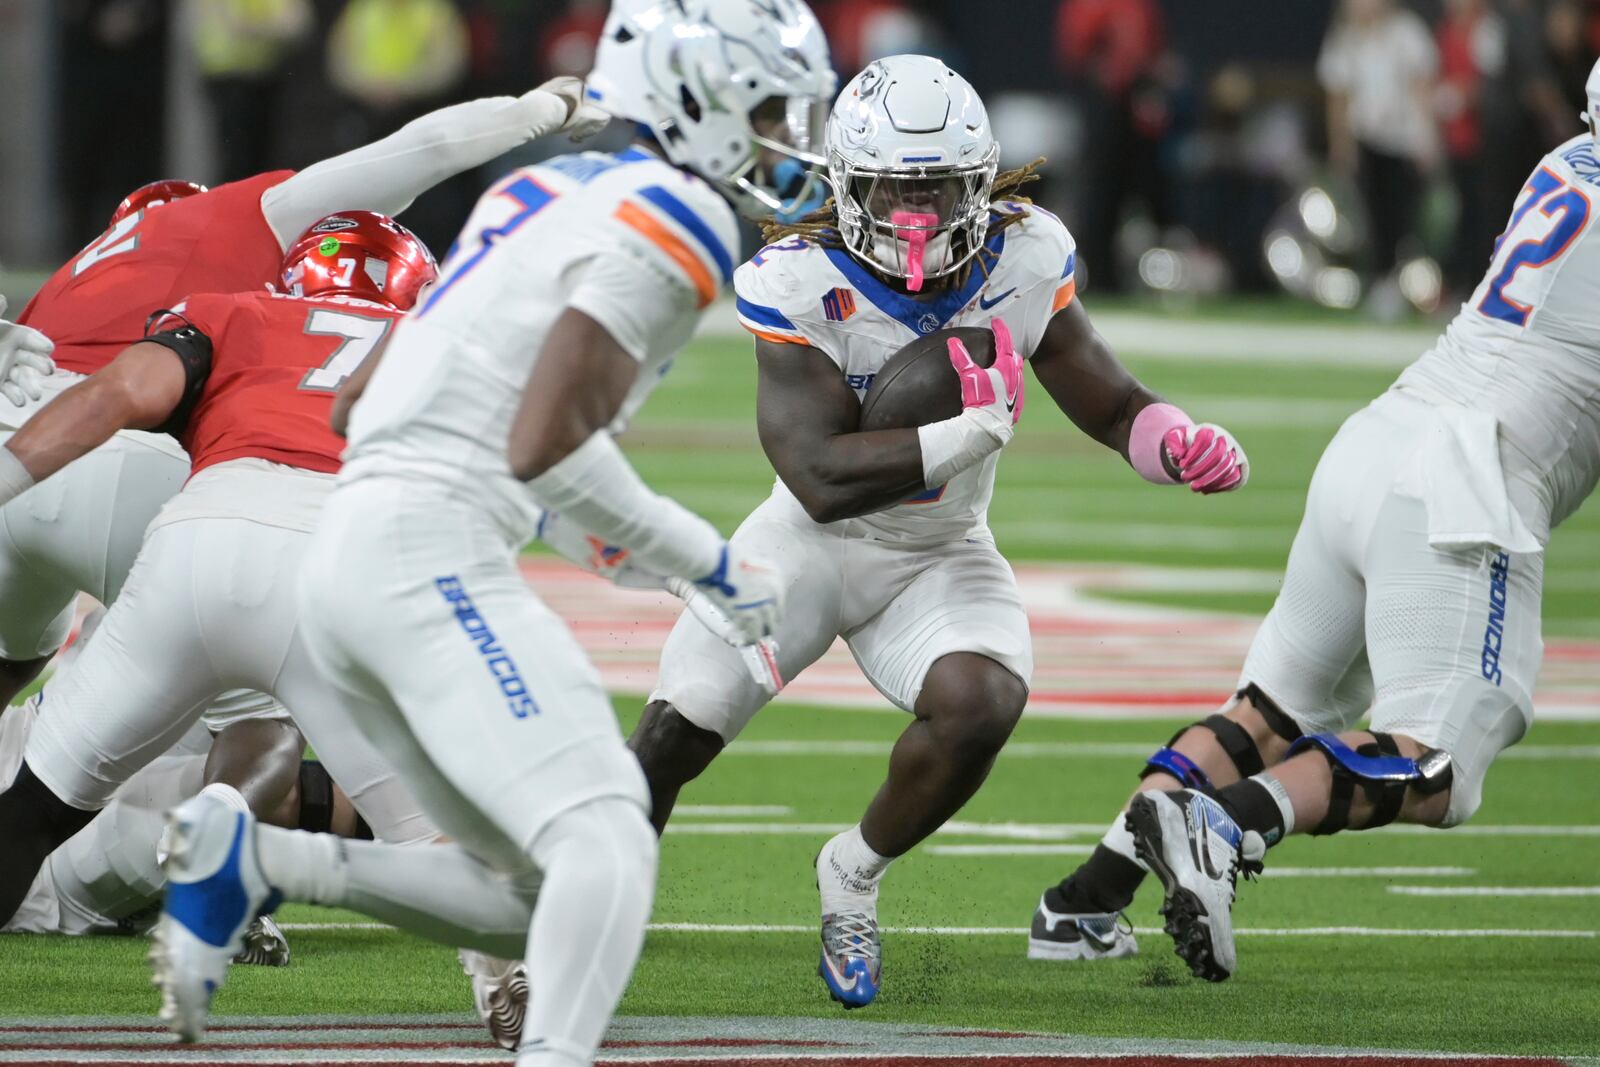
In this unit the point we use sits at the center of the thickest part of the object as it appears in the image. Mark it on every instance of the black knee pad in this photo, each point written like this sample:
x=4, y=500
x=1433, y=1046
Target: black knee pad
x=1235, y=741
x=316, y=798
x=1380, y=771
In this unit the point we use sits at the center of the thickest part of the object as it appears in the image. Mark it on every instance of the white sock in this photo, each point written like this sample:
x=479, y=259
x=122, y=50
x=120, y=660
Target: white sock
x=1279, y=794
x=599, y=864
x=847, y=870
x=436, y=890
x=1119, y=840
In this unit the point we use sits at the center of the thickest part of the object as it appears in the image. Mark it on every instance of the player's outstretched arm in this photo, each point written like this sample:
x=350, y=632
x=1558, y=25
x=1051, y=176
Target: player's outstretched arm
x=1104, y=400
x=807, y=417
x=139, y=390
x=387, y=175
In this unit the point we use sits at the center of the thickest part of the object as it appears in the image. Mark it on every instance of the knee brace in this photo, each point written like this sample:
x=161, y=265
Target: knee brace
x=1234, y=739
x=1382, y=773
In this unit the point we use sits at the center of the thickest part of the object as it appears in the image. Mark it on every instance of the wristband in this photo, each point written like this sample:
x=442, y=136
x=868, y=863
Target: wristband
x=1144, y=441
x=952, y=445
x=14, y=477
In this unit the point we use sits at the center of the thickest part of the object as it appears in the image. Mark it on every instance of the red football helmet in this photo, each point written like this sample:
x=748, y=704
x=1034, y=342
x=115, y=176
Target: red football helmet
x=154, y=195
x=361, y=254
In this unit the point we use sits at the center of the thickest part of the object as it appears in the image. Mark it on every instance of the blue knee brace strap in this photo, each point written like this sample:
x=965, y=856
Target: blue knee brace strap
x=1171, y=761
x=1383, y=774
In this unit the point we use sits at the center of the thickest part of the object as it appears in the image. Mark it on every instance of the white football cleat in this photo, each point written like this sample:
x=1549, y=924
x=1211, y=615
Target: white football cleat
x=215, y=889
x=500, y=993
x=1198, y=852
x=1057, y=935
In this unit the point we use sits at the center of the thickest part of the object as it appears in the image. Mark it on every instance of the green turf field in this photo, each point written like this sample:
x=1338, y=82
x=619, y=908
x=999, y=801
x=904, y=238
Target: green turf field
x=1421, y=986
x=1503, y=994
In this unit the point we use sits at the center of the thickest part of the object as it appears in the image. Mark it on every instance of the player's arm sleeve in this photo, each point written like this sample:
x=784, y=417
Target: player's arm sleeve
x=387, y=175
x=191, y=343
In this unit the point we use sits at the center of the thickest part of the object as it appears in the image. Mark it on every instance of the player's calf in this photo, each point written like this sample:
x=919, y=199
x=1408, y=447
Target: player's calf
x=34, y=822
x=673, y=752
x=261, y=759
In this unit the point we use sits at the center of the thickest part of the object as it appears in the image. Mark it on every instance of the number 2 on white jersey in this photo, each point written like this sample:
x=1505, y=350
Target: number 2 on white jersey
x=115, y=241
x=360, y=335
x=1533, y=239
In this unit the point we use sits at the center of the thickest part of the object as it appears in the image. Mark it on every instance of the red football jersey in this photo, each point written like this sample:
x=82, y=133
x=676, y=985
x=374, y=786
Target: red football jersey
x=276, y=362
x=217, y=242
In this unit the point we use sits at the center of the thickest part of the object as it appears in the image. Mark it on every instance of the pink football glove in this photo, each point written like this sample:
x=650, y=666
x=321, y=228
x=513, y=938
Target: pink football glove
x=1207, y=458
x=996, y=390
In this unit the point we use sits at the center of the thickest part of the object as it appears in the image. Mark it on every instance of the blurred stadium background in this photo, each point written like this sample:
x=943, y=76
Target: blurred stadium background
x=1190, y=145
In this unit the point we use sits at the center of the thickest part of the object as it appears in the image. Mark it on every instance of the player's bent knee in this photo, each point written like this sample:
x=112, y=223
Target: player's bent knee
x=671, y=749
x=972, y=701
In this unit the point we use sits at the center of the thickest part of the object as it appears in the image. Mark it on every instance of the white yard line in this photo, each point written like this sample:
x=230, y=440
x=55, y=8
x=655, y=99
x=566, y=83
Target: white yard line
x=732, y=811
x=1066, y=831
x=1074, y=750
x=1008, y=850
x=1017, y=931
x=1496, y=890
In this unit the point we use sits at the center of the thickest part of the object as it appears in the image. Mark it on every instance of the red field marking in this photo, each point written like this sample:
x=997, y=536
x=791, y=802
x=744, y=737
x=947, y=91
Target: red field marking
x=934, y=1060
x=1091, y=657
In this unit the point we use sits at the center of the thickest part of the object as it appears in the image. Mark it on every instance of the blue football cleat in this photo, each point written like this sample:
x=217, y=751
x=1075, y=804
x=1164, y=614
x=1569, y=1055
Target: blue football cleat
x=215, y=889
x=852, y=958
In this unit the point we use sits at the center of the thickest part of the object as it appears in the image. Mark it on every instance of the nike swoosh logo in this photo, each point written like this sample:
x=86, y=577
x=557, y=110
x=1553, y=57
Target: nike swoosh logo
x=844, y=987
x=987, y=304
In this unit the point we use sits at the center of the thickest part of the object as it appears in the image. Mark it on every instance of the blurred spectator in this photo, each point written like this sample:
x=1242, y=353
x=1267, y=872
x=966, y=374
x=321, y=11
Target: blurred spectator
x=113, y=106
x=1570, y=40
x=1378, y=66
x=1523, y=114
x=568, y=44
x=240, y=47
x=1115, y=53
x=1472, y=56
x=860, y=31
x=394, y=60
x=392, y=57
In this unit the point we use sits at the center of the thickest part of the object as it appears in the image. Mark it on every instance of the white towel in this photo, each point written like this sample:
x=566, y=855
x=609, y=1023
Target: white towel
x=1464, y=488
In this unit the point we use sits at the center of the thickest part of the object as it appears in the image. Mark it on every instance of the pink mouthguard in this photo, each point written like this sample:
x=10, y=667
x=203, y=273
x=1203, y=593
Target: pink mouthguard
x=917, y=240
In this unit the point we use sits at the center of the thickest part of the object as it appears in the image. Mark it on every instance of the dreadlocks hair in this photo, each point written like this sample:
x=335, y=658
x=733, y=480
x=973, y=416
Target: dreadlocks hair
x=821, y=227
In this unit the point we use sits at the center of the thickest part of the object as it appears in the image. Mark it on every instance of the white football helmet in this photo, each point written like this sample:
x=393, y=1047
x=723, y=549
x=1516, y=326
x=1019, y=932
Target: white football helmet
x=720, y=84
x=912, y=161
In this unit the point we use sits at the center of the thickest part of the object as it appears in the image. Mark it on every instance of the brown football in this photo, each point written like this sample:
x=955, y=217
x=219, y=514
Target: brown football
x=918, y=385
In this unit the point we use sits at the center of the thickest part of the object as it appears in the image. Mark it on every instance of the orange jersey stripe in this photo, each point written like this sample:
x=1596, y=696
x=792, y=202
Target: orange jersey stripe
x=672, y=245
x=1065, y=294
x=775, y=338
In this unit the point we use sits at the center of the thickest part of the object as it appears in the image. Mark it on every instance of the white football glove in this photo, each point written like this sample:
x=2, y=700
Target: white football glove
x=760, y=658
x=585, y=118
x=747, y=591
x=615, y=564
x=24, y=359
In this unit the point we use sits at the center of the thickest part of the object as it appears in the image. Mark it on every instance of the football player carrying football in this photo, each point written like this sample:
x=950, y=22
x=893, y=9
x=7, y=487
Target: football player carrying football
x=573, y=286
x=1412, y=592
x=881, y=537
